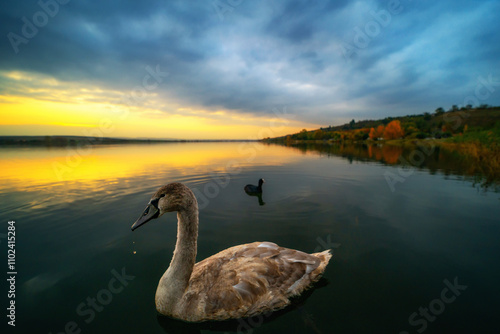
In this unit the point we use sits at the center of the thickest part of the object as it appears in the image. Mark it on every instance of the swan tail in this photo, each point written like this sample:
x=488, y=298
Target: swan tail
x=324, y=258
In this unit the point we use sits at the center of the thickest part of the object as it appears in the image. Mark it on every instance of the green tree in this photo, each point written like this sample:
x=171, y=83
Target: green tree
x=302, y=135
x=360, y=135
x=439, y=111
x=318, y=134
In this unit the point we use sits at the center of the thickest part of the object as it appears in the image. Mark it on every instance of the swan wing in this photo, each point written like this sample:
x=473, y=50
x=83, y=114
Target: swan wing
x=250, y=279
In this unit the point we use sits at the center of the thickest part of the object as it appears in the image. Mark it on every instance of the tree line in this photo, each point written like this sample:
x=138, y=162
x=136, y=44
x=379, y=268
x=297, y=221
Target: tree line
x=439, y=124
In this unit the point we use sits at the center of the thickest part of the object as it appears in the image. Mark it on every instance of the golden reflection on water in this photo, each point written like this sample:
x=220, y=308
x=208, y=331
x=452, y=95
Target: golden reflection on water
x=27, y=167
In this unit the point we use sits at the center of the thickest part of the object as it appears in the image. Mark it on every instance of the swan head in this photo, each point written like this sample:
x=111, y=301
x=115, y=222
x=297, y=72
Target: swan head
x=261, y=181
x=172, y=197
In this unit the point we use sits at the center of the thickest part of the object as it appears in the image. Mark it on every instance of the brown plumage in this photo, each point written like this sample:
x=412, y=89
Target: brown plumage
x=241, y=281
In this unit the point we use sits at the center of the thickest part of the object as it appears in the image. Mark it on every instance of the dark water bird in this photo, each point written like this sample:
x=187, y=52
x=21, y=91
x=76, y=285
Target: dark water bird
x=239, y=282
x=251, y=189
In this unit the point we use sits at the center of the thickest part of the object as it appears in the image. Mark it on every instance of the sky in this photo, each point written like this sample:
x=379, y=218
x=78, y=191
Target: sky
x=238, y=69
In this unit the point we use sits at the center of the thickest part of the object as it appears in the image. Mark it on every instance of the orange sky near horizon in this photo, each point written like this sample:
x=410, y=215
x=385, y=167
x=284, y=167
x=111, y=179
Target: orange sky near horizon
x=38, y=104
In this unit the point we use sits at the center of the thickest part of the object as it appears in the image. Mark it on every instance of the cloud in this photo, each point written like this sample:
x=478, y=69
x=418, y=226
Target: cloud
x=261, y=54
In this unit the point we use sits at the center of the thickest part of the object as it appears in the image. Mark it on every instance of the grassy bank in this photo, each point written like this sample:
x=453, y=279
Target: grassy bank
x=481, y=148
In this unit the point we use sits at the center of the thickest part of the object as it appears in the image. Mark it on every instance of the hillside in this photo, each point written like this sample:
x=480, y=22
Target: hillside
x=439, y=124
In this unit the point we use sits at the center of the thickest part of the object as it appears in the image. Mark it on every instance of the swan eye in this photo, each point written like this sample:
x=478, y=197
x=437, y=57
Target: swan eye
x=155, y=202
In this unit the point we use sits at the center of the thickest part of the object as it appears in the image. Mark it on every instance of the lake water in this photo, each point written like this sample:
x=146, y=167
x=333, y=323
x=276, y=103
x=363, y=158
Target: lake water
x=414, y=250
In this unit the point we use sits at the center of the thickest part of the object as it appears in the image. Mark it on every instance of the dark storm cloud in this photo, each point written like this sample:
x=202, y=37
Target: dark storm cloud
x=250, y=56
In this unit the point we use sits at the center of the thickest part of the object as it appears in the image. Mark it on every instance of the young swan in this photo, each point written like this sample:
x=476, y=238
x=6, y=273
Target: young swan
x=241, y=281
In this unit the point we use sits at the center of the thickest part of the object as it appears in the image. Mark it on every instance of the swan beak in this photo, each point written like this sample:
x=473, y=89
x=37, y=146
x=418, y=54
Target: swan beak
x=151, y=212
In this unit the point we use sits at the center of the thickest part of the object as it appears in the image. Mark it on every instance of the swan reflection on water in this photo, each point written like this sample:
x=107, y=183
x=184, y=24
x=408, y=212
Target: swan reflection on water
x=252, y=190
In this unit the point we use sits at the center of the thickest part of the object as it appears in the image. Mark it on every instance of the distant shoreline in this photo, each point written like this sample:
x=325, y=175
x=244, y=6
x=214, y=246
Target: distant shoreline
x=63, y=141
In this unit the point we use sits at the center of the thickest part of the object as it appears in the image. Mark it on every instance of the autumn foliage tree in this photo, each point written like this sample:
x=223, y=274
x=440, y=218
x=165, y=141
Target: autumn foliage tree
x=372, y=134
x=377, y=133
x=393, y=130
x=380, y=130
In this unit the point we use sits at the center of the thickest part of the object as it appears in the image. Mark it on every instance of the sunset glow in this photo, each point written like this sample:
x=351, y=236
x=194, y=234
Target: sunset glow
x=81, y=112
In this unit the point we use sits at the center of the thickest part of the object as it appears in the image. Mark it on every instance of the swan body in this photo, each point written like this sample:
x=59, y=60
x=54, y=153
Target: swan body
x=250, y=188
x=241, y=281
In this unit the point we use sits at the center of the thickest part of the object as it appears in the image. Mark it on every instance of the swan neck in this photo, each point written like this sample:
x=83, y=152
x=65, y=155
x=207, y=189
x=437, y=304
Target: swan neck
x=175, y=280
x=187, y=237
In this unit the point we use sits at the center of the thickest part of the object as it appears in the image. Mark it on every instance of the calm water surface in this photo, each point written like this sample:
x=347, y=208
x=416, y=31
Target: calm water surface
x=396, y=251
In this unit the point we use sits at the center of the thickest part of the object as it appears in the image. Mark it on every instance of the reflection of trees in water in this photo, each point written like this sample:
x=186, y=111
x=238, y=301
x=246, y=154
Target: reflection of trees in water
x=386, y=153
x=480, y=164
x=478, y=168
